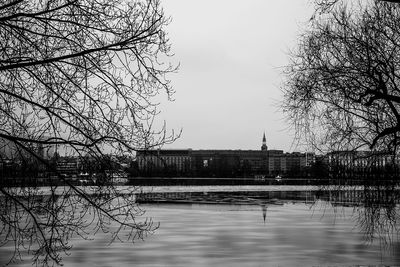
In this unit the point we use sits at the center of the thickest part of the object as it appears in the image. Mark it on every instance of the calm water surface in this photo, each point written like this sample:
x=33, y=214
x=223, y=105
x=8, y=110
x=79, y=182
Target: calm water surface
x=277, y=233
x=293, y=234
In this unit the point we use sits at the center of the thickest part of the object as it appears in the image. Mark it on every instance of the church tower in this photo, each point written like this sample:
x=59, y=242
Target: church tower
x=264, y=143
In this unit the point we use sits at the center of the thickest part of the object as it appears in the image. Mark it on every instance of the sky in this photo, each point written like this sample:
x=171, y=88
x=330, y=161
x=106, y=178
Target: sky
x=228, y=86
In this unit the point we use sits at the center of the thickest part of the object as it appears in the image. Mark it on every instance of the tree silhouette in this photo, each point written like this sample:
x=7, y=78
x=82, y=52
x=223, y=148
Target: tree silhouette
x=342, y=90
x=80, y=77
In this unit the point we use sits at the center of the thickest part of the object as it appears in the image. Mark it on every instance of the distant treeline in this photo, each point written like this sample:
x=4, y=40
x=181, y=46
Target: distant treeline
x=108, y=171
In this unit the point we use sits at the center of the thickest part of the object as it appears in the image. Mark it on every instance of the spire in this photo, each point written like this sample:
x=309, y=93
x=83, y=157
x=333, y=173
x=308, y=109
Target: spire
x=264, y=143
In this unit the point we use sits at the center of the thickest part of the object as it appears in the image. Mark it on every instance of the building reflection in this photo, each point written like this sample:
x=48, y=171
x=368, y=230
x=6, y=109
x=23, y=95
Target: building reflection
x=264, y=211
x=376, y=210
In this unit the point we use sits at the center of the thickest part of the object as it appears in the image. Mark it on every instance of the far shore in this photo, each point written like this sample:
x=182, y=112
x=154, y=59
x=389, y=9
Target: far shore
x=60, y=190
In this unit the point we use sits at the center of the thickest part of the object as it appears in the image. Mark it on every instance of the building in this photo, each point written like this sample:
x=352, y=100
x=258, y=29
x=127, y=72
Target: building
x=68, y=166
x=229, y=163
x=361, y=165
x=153, y=162
x=222, y=163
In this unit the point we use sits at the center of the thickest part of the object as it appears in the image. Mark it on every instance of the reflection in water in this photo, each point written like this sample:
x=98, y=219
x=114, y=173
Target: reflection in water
x=264, y=210
x=294, y=234
x=302, y=229
x=377, y=212
x=264, y=206
x=379, y=222
x=40, y=226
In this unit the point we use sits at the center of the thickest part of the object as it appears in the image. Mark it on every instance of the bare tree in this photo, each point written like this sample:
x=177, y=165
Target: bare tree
x=343, y=82
x=379, y=217
x=343, y=93
x=325, y=6
x=80, y=76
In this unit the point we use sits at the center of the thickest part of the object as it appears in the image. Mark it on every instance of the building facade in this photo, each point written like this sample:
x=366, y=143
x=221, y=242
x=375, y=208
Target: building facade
x=362, y=165
x=221, y=163
x=154, y=162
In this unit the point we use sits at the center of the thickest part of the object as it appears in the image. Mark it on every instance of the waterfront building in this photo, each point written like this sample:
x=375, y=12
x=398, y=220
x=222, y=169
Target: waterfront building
x=222, y=163
x=177, y=161
x=229, y=163
x=362, y=165
x=68, y=165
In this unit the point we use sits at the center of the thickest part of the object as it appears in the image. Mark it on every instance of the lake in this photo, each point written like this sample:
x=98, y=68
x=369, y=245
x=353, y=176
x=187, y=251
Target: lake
x=293, y=234
x=268, y=233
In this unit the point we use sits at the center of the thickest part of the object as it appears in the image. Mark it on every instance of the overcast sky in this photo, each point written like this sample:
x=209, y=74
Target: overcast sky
x=228, y=86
